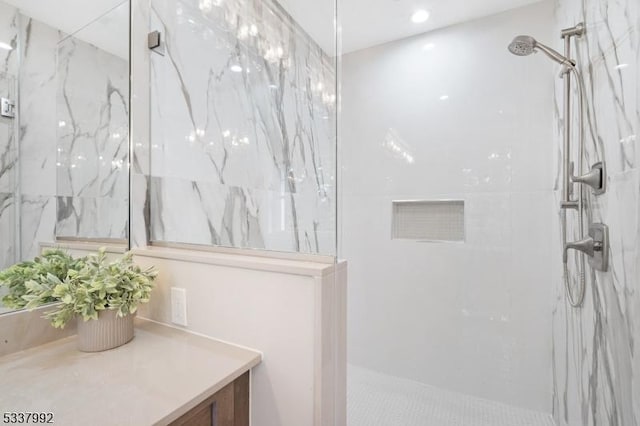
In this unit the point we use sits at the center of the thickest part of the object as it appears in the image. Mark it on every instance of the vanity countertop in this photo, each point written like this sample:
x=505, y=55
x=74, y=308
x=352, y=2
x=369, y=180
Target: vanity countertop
x=154, y=379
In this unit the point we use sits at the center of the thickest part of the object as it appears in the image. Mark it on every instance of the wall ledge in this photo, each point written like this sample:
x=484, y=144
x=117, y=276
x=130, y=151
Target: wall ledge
x=246, y=261
x=89, y=246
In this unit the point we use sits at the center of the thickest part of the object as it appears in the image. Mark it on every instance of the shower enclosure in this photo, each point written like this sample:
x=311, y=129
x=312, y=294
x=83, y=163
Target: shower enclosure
x=470, y=320
x=414, y=146
x=474, y=187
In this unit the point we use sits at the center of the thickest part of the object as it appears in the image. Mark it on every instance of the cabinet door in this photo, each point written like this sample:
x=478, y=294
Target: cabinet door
x=227, y=407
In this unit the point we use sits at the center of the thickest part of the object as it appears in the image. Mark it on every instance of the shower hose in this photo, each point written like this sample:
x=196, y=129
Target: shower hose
x=576, y=300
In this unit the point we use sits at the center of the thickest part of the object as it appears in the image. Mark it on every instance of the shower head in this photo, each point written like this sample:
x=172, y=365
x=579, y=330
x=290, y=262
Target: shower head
x=524, y=45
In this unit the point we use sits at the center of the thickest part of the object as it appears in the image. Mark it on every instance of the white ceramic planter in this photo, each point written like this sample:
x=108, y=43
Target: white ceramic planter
x=107, y=332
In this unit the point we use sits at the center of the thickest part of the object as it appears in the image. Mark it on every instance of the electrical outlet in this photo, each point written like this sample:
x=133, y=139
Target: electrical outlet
x=179, y=306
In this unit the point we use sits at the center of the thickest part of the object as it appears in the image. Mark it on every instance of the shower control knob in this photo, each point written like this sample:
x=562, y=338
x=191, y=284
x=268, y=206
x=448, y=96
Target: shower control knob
x=595, y=178
x=587, y=246
x=595, y=246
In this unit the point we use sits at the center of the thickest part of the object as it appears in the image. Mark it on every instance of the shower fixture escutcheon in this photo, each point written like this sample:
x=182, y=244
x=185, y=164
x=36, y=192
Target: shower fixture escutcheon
x=7, y=108
x=595, y=246
x=596, y=178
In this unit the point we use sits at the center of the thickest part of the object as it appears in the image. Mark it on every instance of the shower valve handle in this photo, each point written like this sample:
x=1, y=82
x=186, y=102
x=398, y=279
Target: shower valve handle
x=595, y=178
x=587, y=246
x=596, y=246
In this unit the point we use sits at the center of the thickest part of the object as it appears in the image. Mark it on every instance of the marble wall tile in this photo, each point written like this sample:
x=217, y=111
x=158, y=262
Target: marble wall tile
x=596, y=364
x=243, y=102
x=37, y=223
x=8, y=246
x=37, y=108
x=92, y=109
x=73, y=137
x=37, y=138
x=139, y=207
x=92, y=112
x=92, y=217
x=251, y=218
x=9, y=36
x=8, y=131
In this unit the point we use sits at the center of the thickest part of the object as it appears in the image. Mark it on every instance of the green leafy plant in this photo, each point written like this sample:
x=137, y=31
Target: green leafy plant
x=97, y=284
x=83, y=287
x=30, y=283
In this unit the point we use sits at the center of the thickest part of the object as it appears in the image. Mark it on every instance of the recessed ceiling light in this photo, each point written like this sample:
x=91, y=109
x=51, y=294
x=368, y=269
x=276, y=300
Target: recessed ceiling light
x=5, y=46
x=419, y=16
x=235, y=68
x=444, y=97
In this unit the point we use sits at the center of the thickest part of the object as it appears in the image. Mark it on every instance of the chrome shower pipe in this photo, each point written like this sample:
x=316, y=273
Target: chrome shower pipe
x=567, y=183
x=567, y=202
x=566, y=171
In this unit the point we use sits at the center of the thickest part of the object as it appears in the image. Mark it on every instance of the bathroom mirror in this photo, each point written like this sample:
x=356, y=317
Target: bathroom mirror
x=64, y=129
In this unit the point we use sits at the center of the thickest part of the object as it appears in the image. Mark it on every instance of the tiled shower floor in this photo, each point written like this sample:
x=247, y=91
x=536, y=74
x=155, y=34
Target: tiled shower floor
x=379, y=400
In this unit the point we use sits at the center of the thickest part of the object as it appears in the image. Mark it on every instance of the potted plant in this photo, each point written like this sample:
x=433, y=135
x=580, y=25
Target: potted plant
x=102, y=295
x=26, y=281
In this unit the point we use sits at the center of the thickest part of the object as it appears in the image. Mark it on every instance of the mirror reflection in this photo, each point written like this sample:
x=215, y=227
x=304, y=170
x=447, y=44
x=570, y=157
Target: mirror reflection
x=64, y=151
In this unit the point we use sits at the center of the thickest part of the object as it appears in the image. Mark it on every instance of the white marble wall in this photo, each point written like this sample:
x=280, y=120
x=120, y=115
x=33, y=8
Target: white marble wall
x=242, y=129
x=92, y=109
x=38, y=130
x=595, y=352
x=472, y=122
x=73, y=138
x=8, y=146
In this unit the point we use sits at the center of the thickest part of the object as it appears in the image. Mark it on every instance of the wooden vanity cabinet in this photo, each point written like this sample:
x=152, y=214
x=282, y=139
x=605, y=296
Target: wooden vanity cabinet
x=227, y=407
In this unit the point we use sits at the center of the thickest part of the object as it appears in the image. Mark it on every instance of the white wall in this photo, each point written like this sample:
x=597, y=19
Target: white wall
x=472, y=317
x=292, y=311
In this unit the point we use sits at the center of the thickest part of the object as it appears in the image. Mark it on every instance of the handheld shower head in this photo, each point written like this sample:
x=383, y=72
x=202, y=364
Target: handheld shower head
x=524, y=45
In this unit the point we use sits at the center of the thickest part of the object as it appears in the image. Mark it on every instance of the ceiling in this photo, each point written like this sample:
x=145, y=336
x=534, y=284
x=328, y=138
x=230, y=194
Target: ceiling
x=109, y=33
x=366, y=23
x=363, y=23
